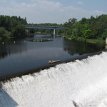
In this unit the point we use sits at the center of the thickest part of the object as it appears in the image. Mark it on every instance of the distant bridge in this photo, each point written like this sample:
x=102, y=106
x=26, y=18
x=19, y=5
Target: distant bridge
x=54, y=28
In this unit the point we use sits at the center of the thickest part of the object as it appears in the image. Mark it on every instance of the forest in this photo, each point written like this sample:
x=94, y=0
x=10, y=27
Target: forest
x=12, y=27
x=87, y=29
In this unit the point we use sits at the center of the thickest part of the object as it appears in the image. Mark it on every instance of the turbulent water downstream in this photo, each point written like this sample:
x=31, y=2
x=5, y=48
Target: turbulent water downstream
x=74, y=84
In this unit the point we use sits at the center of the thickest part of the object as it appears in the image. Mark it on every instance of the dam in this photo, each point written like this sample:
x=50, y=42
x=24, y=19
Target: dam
x=82, y=83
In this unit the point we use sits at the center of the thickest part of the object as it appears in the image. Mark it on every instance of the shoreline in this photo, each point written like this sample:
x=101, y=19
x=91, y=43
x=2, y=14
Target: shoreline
x=91, y=41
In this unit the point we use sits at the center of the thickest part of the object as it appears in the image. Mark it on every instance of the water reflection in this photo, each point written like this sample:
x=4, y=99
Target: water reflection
x=13, y=48
x=25, y=55
x=3, y=52
x=71, y=47
x=74, y=47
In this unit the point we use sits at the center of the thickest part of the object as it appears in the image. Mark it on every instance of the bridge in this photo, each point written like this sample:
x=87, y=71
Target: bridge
x=54, y=28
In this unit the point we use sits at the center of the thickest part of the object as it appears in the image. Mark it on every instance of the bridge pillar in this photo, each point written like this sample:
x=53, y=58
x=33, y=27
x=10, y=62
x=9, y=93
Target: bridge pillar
x=54, y=32
x=106, y=41
x=27, y=31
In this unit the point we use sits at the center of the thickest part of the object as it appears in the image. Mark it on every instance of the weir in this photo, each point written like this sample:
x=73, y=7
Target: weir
x=74, y=84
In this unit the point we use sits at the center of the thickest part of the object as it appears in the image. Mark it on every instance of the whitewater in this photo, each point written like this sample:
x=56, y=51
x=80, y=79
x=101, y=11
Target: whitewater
x=82, y=83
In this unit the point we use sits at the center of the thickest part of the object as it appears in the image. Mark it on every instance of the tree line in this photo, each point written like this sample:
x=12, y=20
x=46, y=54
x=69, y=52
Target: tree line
x=12, y=27
x=86, y=28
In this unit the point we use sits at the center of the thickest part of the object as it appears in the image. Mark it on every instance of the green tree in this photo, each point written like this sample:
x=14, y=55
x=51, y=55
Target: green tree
x=19, y=32
x=104, y=35
x=4, y=34
x=91, y=28
x=86, y=31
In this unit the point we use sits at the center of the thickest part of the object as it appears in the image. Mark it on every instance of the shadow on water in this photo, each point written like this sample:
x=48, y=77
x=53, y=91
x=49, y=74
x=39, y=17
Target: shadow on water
x=76, y=47
x=5, y=99
x=12, y=48
x=3, y=52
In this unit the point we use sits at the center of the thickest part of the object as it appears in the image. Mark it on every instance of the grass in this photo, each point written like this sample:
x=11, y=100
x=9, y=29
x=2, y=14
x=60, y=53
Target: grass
x=91, y=41
x=96, y=41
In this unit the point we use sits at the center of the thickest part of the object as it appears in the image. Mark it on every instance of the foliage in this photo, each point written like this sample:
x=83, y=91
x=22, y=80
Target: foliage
x=4, y=34
x=104, y=34
x=11, y=27
x=87, y=28
x=19, y=32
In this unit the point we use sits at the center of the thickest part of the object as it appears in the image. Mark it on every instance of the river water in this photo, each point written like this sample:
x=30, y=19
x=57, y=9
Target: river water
x=25, y=55
x=74, y=84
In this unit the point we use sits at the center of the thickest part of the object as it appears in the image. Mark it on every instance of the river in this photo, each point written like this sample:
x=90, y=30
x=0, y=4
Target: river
x=23, y=56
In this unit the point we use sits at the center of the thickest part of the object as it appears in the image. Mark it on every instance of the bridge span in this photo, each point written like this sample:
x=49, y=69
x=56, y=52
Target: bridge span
x=54, y=28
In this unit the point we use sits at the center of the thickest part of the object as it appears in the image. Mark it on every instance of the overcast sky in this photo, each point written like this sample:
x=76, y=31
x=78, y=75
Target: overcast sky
x=55, y=11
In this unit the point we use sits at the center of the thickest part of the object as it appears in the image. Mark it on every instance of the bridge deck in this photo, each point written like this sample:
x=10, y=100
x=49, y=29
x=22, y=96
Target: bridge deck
x=45, y=27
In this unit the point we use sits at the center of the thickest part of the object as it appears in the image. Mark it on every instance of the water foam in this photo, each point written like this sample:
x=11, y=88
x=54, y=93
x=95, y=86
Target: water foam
x=74, y=84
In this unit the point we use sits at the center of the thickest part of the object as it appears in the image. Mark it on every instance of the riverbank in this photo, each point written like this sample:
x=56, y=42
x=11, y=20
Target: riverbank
x=91, y=41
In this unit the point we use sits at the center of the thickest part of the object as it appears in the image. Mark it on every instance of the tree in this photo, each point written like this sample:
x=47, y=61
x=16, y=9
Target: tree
x=104, y=35
x=19, y=32
x=12, y=26
x=86, y=31
x=91, y=28
x=70, y=22
x=4, y=34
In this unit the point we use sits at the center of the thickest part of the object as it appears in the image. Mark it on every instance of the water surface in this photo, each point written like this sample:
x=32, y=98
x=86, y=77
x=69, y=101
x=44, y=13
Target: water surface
x=25, y=55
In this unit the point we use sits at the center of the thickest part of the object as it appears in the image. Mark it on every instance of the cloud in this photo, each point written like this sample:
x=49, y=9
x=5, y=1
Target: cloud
x=80, y=3
x=39, y=11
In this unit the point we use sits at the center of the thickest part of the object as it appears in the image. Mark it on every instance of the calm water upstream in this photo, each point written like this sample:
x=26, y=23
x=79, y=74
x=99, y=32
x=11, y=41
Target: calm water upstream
x=26, y=55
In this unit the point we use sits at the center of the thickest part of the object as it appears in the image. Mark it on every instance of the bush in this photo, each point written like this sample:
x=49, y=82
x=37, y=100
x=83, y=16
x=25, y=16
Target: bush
x=4, y=34
x=19, y=32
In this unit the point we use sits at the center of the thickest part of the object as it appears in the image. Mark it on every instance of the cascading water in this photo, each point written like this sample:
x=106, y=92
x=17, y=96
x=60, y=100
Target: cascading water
x=74, y=84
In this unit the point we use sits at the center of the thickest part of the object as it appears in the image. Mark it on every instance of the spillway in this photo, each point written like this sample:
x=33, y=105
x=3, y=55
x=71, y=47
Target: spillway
x=74, y=84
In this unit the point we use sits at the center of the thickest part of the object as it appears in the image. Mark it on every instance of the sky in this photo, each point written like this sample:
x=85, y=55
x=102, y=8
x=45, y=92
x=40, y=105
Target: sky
x=52, y=11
